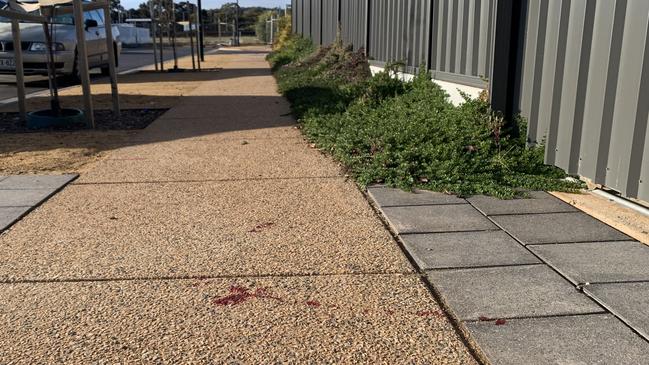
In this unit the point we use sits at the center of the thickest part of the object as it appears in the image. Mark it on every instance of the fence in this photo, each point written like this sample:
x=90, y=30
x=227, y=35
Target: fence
x=578, y=70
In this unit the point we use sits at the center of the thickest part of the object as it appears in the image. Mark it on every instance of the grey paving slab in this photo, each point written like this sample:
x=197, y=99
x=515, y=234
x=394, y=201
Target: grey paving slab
x=629, y=301
x=36, y=181
x=537, y=202
x=20, y=198
x=598, y=261
x=506, y=292
x=436, y=218
x=466, y=249
x=8, y=215
x=2, y=177
x=558, y=228
x=575, y=340
x=390, y=197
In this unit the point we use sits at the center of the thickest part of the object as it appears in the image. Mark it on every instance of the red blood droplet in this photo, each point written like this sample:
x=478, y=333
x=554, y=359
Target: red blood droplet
x=233, y=299
x=484, y=319
x=313, y=303
x=500, y=322
x=238, y=289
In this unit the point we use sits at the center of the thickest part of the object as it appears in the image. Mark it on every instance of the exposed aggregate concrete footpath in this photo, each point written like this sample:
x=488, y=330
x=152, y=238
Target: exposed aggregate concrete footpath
x=218, y=236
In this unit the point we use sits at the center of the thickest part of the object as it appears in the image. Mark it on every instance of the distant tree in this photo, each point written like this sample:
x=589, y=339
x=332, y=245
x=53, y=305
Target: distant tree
x=115, y=8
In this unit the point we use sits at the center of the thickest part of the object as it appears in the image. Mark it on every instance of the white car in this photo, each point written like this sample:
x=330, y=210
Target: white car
x=64, y=43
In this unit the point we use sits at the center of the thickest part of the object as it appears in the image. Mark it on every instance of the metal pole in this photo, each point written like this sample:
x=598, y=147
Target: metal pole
x=173, y=34
x=198, y=34
x=191, y=42
x=271, y=30
x=82, y=57
x=111, y=60
x=201, y=43
x=161, y=42
x=20, y=71
x=153, y=33
x=237, y=31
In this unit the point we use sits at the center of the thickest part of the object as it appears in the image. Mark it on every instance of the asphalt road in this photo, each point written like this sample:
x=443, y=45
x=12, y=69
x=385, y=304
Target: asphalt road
x=130, y=58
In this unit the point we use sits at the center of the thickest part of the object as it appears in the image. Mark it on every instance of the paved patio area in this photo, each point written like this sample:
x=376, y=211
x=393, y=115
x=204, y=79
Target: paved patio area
x=217, y=236
x=533, y=281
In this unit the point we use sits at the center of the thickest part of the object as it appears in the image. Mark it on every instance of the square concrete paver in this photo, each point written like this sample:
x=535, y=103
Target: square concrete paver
x=390, y=197
x=506, y=292
x=558, y=228
x=436, y=218
x=630, y=301
x=575, y=340
x=36, y=181
x=538, y=202
x=466, y=249
x=8, y=215
x=598, y=261
x=21, y=198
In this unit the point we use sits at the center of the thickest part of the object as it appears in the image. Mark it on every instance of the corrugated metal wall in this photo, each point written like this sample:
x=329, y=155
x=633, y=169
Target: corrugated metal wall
x=462, y=40
x=585, y=88
x=329, y=21
x=307, y=15
x=316, y=20
x=353, y=20
x=294, y=15
x=584, y=73
x=298, y=14
x=456, y=43
x=398, y=31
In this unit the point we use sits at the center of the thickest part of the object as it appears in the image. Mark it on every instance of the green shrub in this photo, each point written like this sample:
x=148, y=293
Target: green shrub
x=408, y=134
x=295, y=48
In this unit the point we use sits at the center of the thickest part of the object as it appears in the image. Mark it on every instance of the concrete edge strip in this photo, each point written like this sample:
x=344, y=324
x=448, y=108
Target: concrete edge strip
x=32, y=207
x=462, y=331
x=152, y=182
x=203, y=277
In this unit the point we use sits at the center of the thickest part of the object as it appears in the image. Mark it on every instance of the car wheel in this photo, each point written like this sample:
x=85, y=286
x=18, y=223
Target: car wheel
x=105, y=69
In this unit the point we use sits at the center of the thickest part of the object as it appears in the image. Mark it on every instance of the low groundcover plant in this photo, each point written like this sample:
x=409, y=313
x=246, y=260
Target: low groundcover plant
x=407, y=133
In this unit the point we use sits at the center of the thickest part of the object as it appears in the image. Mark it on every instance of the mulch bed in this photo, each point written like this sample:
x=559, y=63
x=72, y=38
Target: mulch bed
x=104, y=120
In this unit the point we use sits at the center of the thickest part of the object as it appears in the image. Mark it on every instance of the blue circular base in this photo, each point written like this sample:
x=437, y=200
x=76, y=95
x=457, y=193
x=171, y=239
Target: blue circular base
x=46, y=118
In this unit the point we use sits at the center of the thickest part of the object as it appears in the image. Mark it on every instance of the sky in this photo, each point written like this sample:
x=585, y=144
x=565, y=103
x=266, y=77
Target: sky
x=210, y=4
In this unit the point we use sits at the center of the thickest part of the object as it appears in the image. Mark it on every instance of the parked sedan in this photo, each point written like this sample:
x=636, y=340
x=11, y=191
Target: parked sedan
x=64, y=45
